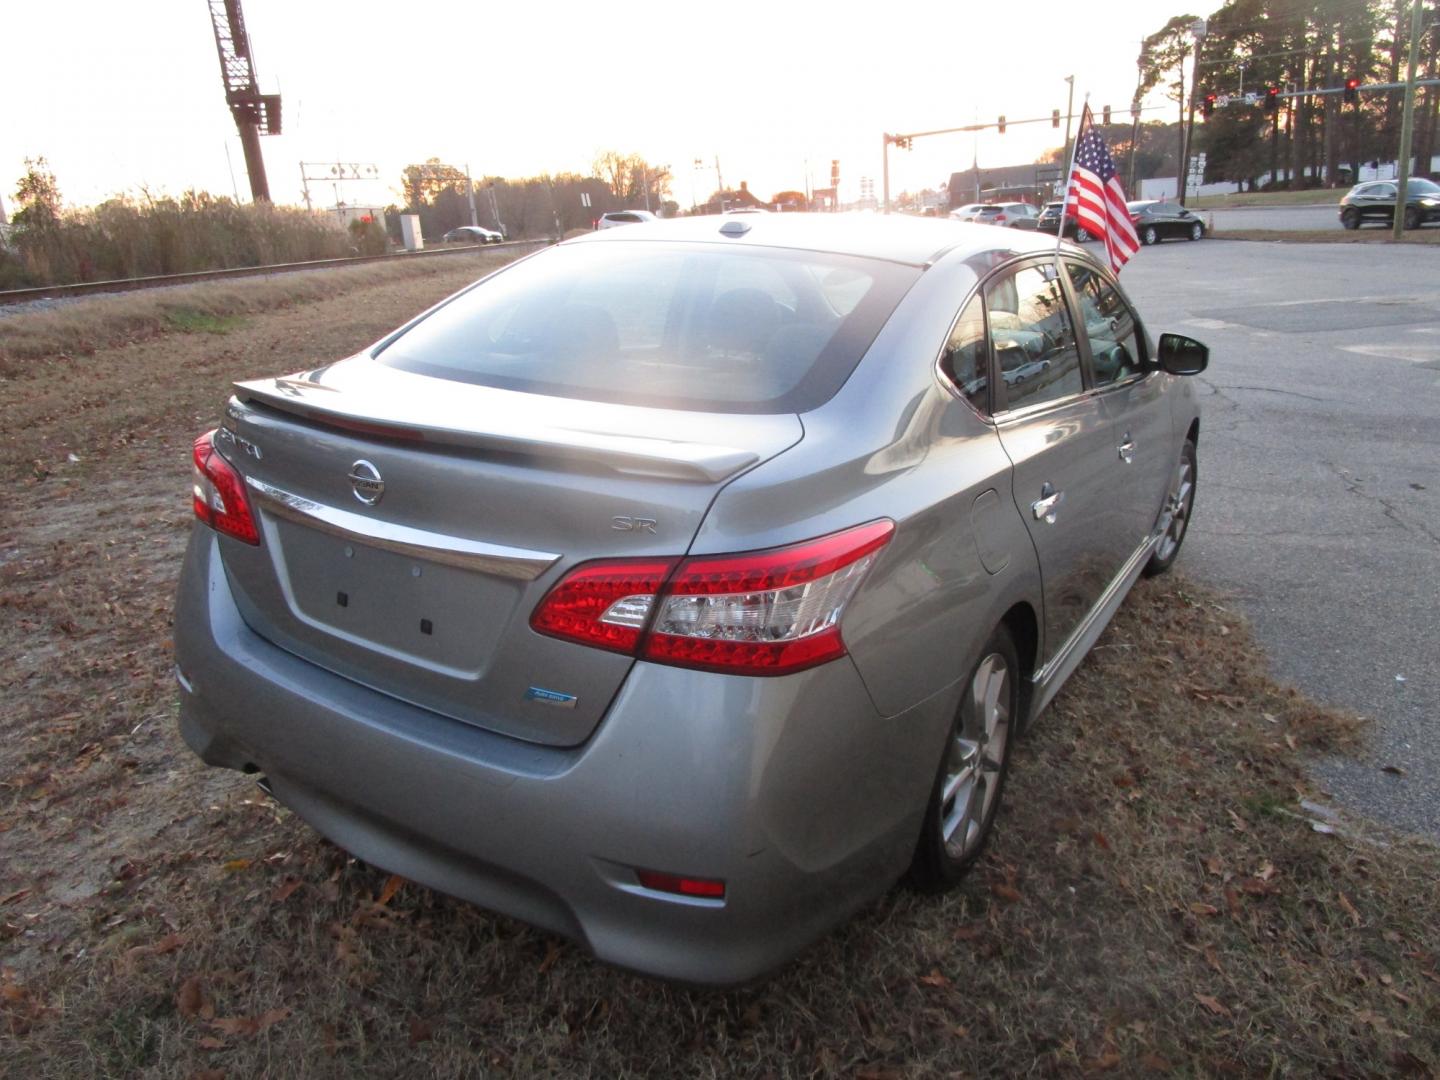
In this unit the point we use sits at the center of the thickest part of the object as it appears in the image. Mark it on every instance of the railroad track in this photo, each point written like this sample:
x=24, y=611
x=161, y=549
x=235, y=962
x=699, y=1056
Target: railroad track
x=88, y=288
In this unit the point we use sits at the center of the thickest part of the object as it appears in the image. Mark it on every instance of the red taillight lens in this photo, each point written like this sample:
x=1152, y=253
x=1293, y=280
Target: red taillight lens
x=706, y=888
x=605, y=604
x=219, y=493
x=760, y=613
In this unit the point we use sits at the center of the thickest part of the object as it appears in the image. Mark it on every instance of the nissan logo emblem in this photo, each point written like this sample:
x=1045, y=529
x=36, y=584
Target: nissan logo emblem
x=366, y=482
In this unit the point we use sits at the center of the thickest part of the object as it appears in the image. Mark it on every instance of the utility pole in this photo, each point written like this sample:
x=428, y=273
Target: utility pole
x=495, y=209
x=1135, y=118
x=720, y=184
x=1197, y=28
x=470, y=192
x=885, y=156
x=1069, y=108
x=1407, y=122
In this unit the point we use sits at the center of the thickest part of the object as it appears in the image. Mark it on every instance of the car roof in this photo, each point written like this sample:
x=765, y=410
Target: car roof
x=914, y=241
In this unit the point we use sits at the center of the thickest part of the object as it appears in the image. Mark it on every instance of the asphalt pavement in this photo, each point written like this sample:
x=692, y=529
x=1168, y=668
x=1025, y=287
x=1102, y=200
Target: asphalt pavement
x=1319, y=481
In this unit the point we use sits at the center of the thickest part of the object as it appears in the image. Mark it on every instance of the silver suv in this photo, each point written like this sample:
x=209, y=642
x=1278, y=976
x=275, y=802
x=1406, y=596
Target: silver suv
x=679, y=589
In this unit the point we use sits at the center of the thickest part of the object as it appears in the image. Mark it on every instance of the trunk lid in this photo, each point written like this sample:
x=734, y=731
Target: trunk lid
x=410, y=525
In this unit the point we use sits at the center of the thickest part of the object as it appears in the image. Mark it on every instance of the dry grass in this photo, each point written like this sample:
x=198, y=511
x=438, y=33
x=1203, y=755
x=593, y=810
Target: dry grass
x=1151, y=903
x=1337, y=235
x=82, y=327
x=1304, y=197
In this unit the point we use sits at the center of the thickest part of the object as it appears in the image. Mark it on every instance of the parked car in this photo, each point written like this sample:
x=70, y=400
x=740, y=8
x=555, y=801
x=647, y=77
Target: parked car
x=1049, y=221
x=1161, y=219
x=611, y=218
x=678, y=590
x=472, y=234
x=1017, y=215
x=967, y=212
x=1375, y=202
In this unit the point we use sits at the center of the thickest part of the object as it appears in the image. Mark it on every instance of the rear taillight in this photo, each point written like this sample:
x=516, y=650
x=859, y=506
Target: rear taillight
x=219, y=493
x=605, y=604
x=759, y=613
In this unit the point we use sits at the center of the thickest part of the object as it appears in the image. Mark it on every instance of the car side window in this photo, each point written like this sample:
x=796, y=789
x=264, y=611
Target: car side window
x=1109, y=327
x=966, y=360
x=1033, y=341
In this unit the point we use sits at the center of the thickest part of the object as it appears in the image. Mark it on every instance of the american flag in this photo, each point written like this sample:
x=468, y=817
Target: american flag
x=1096, y=199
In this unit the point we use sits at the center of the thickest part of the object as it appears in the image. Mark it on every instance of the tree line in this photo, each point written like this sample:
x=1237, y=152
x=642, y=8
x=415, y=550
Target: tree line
x=1296, y=46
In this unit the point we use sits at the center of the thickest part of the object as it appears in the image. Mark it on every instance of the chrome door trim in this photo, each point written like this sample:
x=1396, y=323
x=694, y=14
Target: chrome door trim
x=518, y=564
x=1048, y=679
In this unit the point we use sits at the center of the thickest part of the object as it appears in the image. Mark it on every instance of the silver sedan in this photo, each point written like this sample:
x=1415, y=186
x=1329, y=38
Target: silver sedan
x=680, y=588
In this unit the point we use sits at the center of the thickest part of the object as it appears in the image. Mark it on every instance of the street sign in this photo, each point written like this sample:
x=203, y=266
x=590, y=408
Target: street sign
x=1046, y=173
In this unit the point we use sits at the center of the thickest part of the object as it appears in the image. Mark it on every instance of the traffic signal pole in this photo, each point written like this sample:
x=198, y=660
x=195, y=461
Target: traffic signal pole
x=1407, y=122
x=885, y=153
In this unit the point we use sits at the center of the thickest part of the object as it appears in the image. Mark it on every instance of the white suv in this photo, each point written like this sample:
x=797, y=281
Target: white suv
x=612, y=218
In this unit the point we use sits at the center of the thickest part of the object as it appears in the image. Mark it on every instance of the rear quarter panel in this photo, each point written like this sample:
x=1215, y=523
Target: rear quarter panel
x=895, y=442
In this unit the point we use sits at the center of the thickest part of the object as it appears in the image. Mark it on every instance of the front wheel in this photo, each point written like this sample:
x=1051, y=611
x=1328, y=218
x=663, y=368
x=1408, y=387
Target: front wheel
x=1175, y=517
x=1082, y=235
x=1412, y=217
x=1148, y=235
x=966, y=794
x=1196, y=231
x=1350, y=219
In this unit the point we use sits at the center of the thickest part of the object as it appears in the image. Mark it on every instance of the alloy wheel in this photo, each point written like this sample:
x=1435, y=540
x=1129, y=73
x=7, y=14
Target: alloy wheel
x=1177, y=511
x=975, y=758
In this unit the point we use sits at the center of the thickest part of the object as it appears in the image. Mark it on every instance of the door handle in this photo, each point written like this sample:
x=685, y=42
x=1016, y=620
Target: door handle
x=1127, y=449
x=1045, y=506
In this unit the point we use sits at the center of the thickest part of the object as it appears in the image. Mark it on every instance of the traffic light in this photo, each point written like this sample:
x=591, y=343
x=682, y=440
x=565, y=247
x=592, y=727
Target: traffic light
x=1002, y=125
x=1207, y=108
x=1106, y=114
x=1272, y=99
x=1054, y=118
x=1352, y=91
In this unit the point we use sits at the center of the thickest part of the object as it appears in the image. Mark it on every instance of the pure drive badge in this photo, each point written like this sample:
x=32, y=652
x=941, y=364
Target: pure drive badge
x=550, y=697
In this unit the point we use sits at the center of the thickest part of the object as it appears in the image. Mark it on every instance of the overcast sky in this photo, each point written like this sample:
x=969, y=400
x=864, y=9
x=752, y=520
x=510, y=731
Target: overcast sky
x=123, y=94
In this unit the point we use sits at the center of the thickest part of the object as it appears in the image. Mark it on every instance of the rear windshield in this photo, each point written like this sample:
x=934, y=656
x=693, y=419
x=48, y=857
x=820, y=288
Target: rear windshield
x=683, y=326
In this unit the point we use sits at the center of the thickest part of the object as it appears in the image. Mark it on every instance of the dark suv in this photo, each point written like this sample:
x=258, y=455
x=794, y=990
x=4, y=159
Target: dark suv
x=1375, y=201
x=1049, y=221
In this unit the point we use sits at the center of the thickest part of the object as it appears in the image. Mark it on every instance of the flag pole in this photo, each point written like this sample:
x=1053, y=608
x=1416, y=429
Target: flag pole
x=1069, y=175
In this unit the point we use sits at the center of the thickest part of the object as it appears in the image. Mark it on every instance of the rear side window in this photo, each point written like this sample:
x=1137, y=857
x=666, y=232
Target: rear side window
x=1034, y=343
x=966, y=361
x=705, y=327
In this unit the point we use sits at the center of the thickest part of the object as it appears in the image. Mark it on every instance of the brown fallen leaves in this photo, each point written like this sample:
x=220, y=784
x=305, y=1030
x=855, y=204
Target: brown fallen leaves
x=192, y=1002
x=1213, y=1005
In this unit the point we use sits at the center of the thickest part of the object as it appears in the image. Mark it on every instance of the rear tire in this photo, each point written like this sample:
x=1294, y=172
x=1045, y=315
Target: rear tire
x=1175, y=517
x=968, y=785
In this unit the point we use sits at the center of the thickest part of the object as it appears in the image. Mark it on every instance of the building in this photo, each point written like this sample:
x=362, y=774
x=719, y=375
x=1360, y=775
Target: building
x=1030, y=183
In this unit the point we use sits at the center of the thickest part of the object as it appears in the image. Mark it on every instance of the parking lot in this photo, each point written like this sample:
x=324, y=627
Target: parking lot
x=1155, y=898
x=1320, y=475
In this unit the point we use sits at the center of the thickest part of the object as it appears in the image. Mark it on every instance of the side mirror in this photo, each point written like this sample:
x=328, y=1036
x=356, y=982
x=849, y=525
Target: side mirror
x=1180, y=355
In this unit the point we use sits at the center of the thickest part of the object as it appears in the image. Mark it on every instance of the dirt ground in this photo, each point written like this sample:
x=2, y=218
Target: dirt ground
x=1157, y=900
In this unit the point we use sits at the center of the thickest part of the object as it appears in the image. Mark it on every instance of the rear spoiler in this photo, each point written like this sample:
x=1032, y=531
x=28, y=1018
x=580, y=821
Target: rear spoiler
x=485, y=418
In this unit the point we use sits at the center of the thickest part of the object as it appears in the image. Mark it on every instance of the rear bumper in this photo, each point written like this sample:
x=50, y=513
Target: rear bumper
x=794, y=791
